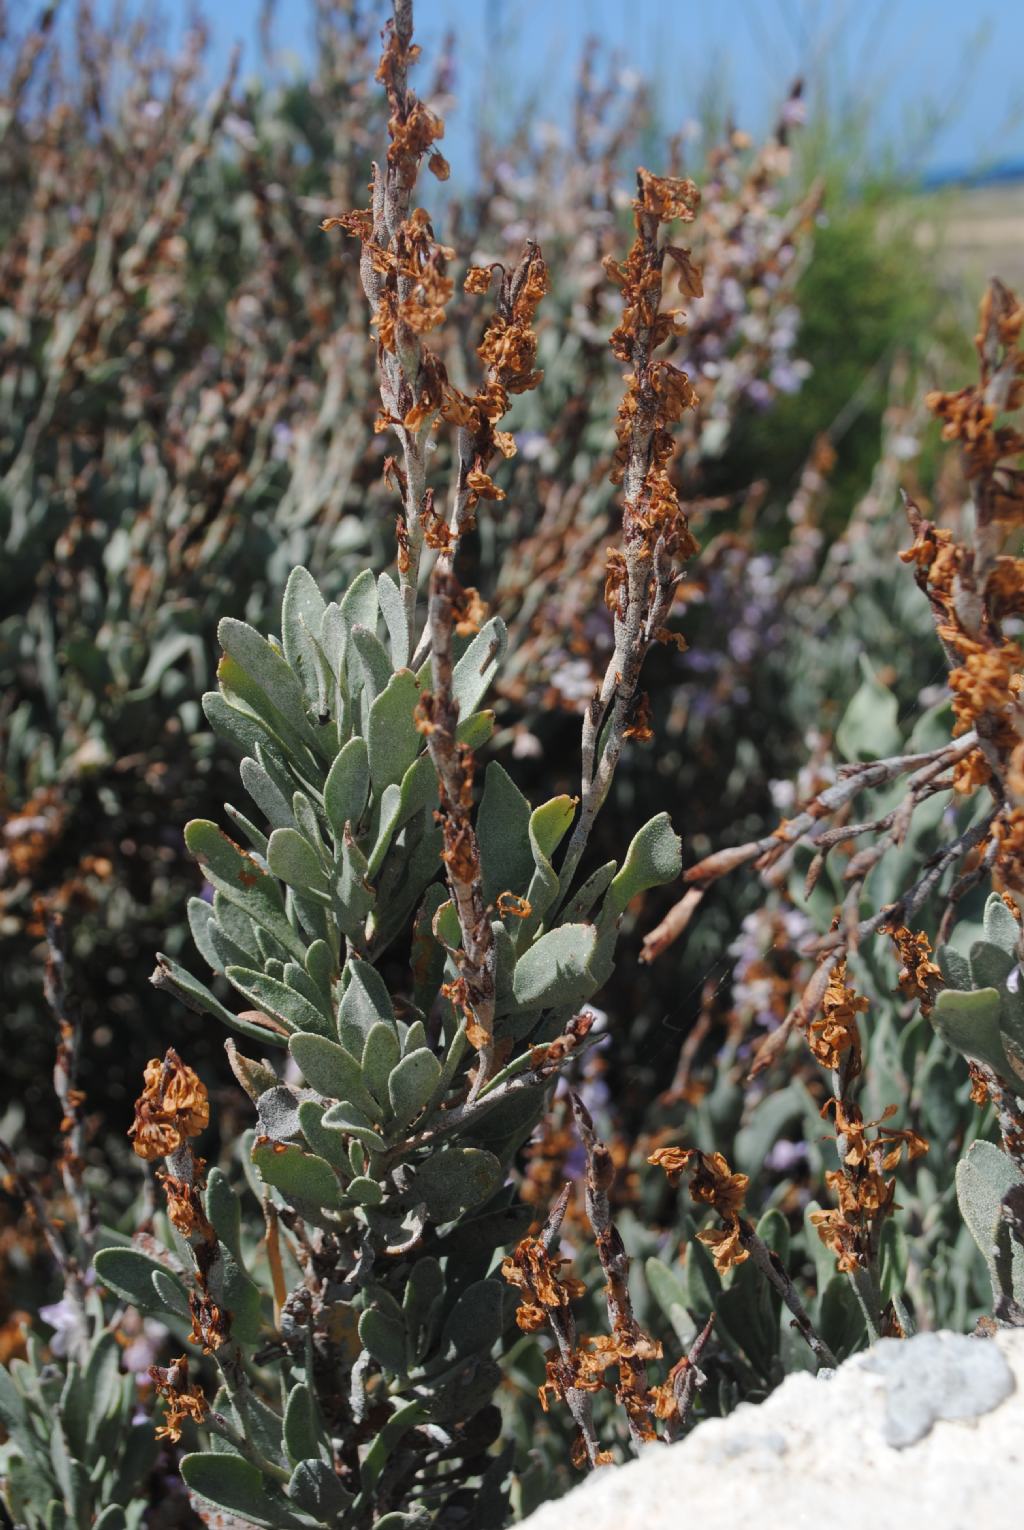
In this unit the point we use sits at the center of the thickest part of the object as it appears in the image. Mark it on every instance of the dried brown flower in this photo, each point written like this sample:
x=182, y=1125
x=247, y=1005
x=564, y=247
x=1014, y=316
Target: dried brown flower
x=835, y=1033
x=172, y=1107
x=920, y=977
x=184, y=1400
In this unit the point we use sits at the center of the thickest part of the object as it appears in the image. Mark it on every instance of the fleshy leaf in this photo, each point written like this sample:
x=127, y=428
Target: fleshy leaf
x=475, y=1322
x=129, y=1273
x=228, y=1482
x=297, y=1173
x=302, y=612
x=303, y=1436
x=332, y=1070
x=970, y=1023
x=411, y=1085
x=268, y=670
x=555, y=968
x=477, y=667
x=168, y=975
x=291, y=857
x=315, y=1489
x=392, y=607
x=453, y=1180
x=347, y=786
x=503, y=830
x=1001, y=928
x=385, y=1339
x=869, y=729
x=381, y=1053
x=243, y=881
x=655, y=856
x=392, y=738
x=366, y=1002
x=286, y=1004
x=983, y=1178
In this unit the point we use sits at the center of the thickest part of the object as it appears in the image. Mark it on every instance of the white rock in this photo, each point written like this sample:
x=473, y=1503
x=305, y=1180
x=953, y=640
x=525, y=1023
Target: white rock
x=927, y=1432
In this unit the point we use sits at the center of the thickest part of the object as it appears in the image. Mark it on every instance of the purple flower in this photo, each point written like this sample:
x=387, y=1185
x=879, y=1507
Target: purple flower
x=283, y=435
x=788, y=376
x=65, y=1320
x=786, y=1156
x=144, y=1349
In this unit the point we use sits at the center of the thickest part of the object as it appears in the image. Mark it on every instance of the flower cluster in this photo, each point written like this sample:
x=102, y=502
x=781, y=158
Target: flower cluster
x=865, y=1195
x=172, y=1107
x=658, y=393
x=586, y=1373
x=920, y=977
x=833, y=1036
x=184, y=1400
x=533, y=1271
x=972, y=584
x=713, y=1183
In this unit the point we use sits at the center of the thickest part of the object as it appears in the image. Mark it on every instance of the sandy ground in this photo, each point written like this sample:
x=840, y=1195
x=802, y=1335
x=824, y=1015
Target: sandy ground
x=976, y=233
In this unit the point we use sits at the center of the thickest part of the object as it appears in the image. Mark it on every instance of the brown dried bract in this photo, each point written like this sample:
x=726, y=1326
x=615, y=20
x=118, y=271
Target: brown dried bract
x=834, y=1033
x=714, y=1184
x=172, y=1107
x=533, y=1271
x=920, y=977
x=184, y=1399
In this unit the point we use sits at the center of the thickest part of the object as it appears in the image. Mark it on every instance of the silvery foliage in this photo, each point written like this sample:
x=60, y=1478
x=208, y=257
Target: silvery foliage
x=77, y=1454
x=375, y=1152
x=981, y=1014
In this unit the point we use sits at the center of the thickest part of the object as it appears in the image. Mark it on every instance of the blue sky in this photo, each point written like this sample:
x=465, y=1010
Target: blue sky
x=907, y=59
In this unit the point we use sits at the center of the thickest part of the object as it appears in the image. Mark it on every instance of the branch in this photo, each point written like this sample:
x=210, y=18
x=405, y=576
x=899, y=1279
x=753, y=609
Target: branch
x=454, y=765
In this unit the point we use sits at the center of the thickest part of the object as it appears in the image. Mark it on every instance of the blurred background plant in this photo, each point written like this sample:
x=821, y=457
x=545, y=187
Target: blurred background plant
x=189, y=394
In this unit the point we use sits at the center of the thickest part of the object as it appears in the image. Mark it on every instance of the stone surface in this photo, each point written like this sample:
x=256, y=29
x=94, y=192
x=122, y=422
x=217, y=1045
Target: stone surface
x=927, y=1431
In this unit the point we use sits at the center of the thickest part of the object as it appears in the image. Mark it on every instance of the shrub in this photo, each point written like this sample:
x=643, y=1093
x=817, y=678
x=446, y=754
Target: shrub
x=383, y=1304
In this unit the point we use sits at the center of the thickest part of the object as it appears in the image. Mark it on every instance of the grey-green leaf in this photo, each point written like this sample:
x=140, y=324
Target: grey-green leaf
x=474, y=1324
x=292, y=858
x=374, y=661
x=983, y=1177
x=175, y=979
x=655, y=856
x=503, y=831
x=243, y=881
x=381, y=1052
x=385, y=1338
x=411, y=1085
x=332, y=1070
x=315, y=1489
x=453, y=1180
x=224, y=1211
x=297, y=1173
x=1001, y=928
x=392, y=608
x=228, y=1482
x=970, y=1023
x=303, y=1435
x=392, y=737
x=347, y=786
x=555, y=968
x=129, y=1273
x=869, y=729
x=366, y=1002
x=302, y=612
x=477, y=667
x=286, y=1004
